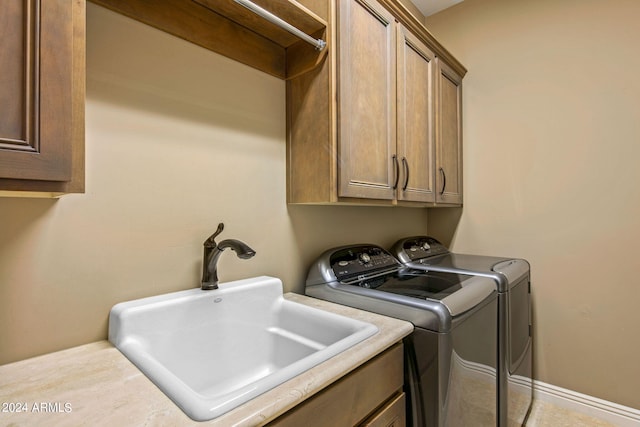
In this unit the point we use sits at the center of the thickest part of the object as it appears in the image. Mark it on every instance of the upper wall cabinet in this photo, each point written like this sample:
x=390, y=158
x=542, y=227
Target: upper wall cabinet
x=42, y=47
x=374, y=124
x=416, y=70
x=448, y=135
x=386, y=80
x=367, y=101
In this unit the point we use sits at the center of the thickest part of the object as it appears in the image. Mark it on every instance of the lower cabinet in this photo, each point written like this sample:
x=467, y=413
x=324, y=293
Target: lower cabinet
x=392, y=414
x=369, y=396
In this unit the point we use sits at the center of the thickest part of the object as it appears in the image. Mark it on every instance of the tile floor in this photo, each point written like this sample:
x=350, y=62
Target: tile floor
x=544, y=414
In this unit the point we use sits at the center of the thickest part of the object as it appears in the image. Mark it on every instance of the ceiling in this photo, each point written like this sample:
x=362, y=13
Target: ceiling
x=429, y=7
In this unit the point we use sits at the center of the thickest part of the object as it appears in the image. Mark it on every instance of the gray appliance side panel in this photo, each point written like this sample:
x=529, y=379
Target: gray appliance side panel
x=515, y=354
x=519, y=385
x=472, y=394
x=424, y=371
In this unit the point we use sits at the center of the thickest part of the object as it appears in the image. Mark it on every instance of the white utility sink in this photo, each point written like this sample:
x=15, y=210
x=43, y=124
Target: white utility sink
x=211, y=351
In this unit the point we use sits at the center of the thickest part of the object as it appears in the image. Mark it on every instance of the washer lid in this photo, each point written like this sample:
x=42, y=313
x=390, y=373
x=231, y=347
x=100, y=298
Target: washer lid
x=457, y=292
x=414, y=283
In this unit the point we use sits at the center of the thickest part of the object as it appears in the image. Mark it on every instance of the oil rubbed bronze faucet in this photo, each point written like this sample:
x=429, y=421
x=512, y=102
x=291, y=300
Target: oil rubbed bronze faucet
x=212, y=251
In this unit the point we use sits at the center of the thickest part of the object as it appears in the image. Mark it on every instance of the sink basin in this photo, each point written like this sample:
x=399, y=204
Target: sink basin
x=210, y=351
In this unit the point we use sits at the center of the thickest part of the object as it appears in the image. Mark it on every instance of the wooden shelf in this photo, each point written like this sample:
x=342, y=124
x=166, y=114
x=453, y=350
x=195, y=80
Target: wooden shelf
x=291, y=12
x=227, y=28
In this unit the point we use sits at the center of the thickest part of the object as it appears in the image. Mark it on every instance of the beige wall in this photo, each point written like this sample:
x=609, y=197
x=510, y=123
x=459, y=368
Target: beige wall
x=552, y=145
x=178, y=139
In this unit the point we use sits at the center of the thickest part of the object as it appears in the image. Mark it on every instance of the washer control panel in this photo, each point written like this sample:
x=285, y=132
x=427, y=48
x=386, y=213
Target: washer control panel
x=420, y=247
x=360, y=261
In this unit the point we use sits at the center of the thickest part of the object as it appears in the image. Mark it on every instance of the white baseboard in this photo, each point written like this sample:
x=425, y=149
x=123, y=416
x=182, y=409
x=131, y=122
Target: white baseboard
x=613, y=413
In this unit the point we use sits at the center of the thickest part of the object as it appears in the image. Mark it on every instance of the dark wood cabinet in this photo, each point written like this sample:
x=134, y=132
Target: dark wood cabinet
x=42, y=87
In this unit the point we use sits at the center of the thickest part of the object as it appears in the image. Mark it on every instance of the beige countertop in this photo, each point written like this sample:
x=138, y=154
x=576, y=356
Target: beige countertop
x=95, y=384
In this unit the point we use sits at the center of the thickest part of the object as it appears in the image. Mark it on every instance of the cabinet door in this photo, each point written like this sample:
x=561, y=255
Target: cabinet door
x=392, y=414
x=366, y=100
x=415, y=118
x=353, y=397
x=37, y=89
x=448, y=136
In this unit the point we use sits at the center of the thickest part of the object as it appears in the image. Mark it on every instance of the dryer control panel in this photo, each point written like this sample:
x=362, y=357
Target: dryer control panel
x=416, y=248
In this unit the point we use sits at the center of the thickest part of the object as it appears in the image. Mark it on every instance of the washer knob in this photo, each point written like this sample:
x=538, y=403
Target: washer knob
x=365, y=258
x=426, y=246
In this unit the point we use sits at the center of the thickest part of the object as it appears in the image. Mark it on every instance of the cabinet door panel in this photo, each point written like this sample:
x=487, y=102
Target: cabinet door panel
x=18, y=79
x=352, y=398
x=415, y=118
x=393, y=414
x=35, y=89
x=449, y=136
x=366, y=100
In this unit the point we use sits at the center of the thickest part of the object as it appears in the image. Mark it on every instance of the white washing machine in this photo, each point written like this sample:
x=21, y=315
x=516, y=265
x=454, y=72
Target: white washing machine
x=512, y=280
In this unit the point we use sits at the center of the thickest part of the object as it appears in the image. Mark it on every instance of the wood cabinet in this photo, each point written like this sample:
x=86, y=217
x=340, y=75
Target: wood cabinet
x=364, y=127
x=415, y=118
x=392, y=414
x=367, y=101
x=369, y=396
x=42, y=96
x=374, y=118
x=448, y=135
x=386, y=95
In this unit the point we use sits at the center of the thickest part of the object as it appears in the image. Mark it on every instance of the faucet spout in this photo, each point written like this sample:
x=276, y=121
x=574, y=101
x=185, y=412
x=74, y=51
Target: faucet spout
x=241, y=249
x=212, y=252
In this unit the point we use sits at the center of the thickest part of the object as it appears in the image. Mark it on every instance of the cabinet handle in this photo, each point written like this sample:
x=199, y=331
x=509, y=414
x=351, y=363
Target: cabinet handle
x=444, y=181
x=397, y=167
x=405, y=164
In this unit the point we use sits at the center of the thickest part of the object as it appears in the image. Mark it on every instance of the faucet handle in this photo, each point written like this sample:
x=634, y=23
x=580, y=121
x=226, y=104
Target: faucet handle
x=210, y=242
